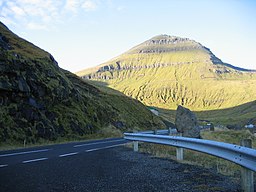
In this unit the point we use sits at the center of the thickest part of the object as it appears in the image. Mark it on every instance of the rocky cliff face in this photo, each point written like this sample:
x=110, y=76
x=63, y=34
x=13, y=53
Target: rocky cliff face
x=169, y=44
x=39, y=100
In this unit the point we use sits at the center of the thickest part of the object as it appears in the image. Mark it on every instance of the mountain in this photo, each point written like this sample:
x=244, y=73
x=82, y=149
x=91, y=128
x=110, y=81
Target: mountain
x=166, y=71
x=41, y=102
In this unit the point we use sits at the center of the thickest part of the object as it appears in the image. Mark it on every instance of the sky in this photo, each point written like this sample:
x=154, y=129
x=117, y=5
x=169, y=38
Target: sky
x=85, y=33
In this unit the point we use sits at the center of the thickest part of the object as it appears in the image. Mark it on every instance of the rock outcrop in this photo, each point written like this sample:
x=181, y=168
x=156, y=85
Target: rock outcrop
x=186, y=123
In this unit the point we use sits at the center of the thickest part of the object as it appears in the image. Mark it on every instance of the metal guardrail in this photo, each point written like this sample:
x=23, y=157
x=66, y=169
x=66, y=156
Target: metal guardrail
x=160, y=132
x=243, y=156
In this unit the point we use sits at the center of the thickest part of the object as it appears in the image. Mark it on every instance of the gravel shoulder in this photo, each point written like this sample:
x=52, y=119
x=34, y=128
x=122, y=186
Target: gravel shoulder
x=158, y=174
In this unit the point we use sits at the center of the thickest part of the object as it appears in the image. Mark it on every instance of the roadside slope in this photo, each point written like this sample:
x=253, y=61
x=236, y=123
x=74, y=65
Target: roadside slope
x=40, y=101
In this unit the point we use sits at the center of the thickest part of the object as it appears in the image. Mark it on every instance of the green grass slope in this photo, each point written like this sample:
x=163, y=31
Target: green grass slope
x=168, y=71
x=39, y=101
x=235, y=117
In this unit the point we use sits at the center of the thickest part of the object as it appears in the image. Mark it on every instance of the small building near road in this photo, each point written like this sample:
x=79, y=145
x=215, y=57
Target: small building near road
x=249, y=126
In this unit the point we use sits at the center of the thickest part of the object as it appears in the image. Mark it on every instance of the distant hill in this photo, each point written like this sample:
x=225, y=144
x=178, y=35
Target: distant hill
x=40, y=101
x=166, y=71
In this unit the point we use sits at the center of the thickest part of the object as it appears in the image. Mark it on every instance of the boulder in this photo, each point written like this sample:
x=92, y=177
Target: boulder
x=119, y=124
x=186, y=123
x=5, y=85
x=53, y=60
x=23, y=86
x=4, y=43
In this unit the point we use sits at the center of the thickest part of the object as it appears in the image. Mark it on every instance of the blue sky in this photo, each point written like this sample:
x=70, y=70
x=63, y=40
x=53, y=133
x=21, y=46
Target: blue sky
x=85, y=33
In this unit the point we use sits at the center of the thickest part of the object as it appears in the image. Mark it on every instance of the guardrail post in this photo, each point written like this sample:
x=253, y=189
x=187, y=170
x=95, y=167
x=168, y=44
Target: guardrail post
x=211, y=127
x=179, y=151
x=247, y=174
x=170, y=131
x=24, y=143
x=135, y=144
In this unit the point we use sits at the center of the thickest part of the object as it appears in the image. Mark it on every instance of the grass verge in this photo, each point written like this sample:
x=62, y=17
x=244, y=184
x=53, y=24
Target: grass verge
x=196, y=158
x=107, y=132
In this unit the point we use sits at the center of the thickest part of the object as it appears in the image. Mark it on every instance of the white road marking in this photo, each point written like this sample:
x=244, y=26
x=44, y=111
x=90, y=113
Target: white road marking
x=3, y=166
x=33, y=160
x=25, y=152
x=111, y=146
x=98, y=143
x=68, y=154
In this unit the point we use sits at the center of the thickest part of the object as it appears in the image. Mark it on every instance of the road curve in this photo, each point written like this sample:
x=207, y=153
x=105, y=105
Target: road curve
x=102, y=165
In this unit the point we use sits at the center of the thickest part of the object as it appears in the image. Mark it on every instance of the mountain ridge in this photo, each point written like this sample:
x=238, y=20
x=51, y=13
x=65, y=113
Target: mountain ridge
x=167, y=71
x=155, y=45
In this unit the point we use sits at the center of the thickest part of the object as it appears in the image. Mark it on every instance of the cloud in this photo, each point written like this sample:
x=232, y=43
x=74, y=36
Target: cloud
x=120, y=8
x=36, y=26
x=89, y=5
x=18, y=11
x=114, y=6
x=72, y=5
x=7, y=21
x=35, y=13
x=76, y=5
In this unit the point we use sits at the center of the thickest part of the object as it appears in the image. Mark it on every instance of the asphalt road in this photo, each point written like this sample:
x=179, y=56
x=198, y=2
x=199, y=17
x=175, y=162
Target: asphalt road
x=35, y=154
x=102, y=165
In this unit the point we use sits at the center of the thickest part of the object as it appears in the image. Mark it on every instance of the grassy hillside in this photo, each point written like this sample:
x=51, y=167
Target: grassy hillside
x=42, y=102
x=168, y=71
x=239, y=115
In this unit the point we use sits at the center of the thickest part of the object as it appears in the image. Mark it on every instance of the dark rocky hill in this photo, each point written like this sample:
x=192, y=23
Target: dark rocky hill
x=41, y=101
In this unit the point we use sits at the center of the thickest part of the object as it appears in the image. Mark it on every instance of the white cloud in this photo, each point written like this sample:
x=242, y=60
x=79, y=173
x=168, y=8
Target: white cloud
x=72, y=5
x=114, y=6
x=120, y=8
x=18, y=11
x=35, y=13
x=36, y=26
x=30, y=1
x=89, y=5
x=5, y=12
x=7, y=21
